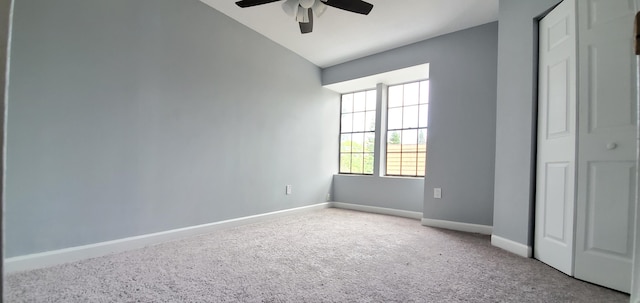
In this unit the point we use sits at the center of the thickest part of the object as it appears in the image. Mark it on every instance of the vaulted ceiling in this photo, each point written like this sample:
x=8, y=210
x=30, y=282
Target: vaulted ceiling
x=339, y=36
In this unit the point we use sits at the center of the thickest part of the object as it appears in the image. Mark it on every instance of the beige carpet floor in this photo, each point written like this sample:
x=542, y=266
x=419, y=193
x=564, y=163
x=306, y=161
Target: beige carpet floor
x=329, y=255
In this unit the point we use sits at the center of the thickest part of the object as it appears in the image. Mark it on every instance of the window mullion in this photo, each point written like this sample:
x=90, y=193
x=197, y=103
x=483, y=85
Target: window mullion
x=379, y=149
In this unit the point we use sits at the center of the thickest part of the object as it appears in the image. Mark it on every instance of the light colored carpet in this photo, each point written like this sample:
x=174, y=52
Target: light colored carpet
x=330, y=255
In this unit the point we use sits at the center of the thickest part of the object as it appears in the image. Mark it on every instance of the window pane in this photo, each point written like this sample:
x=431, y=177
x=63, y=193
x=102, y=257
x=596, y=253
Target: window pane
x=369, y=142
x=410, y=117
x=422, y=160
x=357, y=132
x=358, y=142
x=424, y=115
x=370, y=121
x=347, y=103
x=371, y=100
x=411, y=93
x=346, y=125
x=395, y=96
x=410, y=140
x=359, y=100
x=394, y=138
x=422, y=139
x=356, y=163
x=409, y=164
x=345, y=163
x=394, y=119
x=358, y=122
x=368, y=163
x=424, y=92
x=407, y=122
x=393, y=163
x=345, y=143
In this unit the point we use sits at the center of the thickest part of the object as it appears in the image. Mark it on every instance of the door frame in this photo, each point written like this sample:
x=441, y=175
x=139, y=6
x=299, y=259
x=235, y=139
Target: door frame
x=6, y=20
x=635, y=272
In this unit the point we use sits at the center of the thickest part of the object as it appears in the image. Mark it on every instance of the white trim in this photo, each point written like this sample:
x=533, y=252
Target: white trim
x=459, y=226
x=378, y=210
x=403, y=75
x=71, y=254
x=512, y=246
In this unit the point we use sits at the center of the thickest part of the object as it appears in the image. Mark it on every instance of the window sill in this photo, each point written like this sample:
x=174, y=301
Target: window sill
x=382, y=177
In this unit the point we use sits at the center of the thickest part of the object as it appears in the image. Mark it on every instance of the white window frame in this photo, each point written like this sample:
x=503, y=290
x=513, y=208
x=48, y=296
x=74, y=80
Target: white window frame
x=403, y=129
x=380, y=154
x=351, y=132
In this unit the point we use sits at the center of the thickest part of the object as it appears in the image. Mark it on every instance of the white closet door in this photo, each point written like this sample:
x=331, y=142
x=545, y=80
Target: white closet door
x=555, y=182
x=606, y=143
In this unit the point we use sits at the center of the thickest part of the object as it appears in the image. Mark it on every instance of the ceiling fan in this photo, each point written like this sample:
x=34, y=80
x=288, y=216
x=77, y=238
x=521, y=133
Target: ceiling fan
x=303, y=10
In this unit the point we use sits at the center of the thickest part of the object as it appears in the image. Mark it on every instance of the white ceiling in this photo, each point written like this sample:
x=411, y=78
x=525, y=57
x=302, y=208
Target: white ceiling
x=339, y=36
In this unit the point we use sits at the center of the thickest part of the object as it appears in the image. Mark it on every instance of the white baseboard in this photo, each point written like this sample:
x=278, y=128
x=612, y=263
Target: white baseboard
x=459, y=226
x=55, y=257
x=378, y=210
x=512, y=246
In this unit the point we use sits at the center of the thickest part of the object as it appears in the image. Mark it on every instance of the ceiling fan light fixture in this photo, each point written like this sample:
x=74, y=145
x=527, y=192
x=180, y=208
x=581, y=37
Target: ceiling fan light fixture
x=303, y=10
x=290, y=7
x=307, y=3
x=303, y=15
x=318, y=8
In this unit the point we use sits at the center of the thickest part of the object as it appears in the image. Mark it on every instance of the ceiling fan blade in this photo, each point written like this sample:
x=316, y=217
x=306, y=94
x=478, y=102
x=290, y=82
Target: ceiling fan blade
x=355, y=6
x=249, y=3
x=307, y=27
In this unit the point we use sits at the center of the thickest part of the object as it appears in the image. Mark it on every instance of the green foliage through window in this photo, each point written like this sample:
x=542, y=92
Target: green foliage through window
x=357, y=132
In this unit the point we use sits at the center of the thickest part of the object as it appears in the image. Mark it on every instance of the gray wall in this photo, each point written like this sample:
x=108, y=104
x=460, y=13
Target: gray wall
x=461, y=136
x=396, y=193
x=516, y=118
x=132, y=117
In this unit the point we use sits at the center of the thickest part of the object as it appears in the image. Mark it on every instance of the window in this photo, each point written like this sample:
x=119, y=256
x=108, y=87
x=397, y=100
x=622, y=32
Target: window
x=383, y=131
x=357, y=132
x=407, y=119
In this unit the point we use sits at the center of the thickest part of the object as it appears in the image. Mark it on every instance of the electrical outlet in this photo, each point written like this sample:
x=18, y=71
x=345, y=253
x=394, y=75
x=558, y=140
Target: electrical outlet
x=288, y=189
x=437, y=193
x=328, y=197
